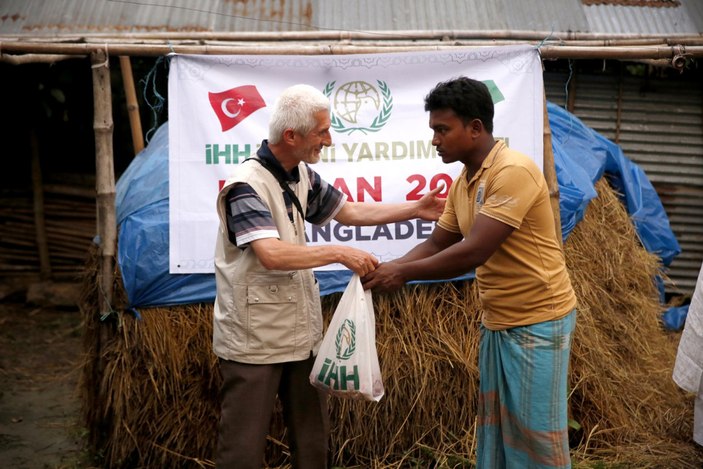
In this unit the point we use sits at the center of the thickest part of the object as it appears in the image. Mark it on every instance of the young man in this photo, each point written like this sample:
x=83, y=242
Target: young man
x=267, y=320
x=498, y=220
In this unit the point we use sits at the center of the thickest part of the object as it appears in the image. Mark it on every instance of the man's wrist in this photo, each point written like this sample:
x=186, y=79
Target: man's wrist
x=401, y=271
x=416, y=209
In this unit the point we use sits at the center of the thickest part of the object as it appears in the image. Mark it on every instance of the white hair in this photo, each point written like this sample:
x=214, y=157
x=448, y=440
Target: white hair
x=295, y=109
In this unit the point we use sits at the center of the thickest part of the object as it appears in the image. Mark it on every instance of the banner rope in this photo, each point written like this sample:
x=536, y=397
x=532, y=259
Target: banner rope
x=157, y=103
x=543, y=41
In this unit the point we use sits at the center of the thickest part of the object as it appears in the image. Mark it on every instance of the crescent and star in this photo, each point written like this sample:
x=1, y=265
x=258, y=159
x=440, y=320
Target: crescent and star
x=225, y=111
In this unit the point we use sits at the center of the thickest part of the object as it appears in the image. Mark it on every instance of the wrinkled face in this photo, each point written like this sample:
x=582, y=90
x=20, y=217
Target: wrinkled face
x=451, y=137
x=308, y=147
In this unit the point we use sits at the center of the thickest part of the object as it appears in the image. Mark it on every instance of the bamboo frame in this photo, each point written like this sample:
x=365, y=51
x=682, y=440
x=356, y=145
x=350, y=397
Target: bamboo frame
x=121, y=47
x=342, y=35
x=671, y=51
x=105, y=174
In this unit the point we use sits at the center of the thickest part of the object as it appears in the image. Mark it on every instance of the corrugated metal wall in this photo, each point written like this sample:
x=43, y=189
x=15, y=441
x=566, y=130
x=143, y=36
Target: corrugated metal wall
x=659, y=125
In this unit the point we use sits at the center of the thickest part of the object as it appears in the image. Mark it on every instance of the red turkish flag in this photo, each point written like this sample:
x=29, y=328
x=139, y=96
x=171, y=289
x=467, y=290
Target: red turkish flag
x=235, y=105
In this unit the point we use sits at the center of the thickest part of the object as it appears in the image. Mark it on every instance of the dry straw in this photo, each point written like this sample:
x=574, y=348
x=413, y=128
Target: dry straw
x=150, y=385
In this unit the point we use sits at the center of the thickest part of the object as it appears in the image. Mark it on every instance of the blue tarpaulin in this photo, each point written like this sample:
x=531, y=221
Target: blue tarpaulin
x=581, y=157
x=674, y=318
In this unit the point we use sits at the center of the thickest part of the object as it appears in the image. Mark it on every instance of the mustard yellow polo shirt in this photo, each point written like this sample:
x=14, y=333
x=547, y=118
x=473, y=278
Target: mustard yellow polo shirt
x=525, y=281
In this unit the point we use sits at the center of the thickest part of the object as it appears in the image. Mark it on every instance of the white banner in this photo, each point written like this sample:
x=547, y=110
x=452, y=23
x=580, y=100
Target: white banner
x=219, y=107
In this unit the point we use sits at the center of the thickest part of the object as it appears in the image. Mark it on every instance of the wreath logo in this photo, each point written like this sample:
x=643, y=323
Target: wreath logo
x=354, y=102
x=345, y=341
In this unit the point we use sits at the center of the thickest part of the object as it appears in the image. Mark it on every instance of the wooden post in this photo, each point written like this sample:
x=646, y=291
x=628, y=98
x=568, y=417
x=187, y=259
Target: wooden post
x=105, y=174
x=132, y=104
x=550, y=172
x=39, y=216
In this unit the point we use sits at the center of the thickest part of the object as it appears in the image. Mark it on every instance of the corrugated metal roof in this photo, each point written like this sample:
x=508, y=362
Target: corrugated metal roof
x=456, y=15
x=42, y=17
x=50, y=17
x=684, y=19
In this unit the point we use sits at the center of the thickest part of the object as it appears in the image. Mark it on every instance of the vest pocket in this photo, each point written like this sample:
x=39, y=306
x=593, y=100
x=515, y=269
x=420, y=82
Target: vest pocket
x=272, y=312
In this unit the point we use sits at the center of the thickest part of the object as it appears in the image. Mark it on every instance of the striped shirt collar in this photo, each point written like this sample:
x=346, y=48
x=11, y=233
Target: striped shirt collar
x=265, y=153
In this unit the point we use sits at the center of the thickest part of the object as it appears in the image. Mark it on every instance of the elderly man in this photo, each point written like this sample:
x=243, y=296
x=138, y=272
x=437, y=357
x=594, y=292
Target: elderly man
x=267, y=322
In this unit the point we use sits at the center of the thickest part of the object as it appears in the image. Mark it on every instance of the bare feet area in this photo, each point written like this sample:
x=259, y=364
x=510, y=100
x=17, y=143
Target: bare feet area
x=40, y=353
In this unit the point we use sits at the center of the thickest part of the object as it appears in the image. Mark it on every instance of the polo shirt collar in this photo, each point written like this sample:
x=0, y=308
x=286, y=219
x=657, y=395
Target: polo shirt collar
x=264, y=153
x=490, y=159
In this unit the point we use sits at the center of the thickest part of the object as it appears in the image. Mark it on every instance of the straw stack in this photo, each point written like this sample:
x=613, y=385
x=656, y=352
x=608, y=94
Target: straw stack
x=622, y=391
x=150, y=386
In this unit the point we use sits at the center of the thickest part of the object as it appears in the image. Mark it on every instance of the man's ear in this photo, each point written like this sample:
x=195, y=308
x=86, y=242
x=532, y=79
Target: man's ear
x=289, y=136
x=476, y=126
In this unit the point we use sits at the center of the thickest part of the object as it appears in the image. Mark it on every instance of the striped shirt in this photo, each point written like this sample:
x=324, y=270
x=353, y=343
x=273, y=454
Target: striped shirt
x=249, y=218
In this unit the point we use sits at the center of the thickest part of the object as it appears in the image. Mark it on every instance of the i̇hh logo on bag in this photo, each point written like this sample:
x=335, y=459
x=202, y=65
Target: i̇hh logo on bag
x=339, y=377
x=345, y=341
x=347, y=362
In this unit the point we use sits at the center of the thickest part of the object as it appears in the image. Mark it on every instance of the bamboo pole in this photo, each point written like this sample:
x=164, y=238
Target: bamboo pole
x=546, y=51
x=135, y=122
x=105, y=174
x=105, y=198
x=39, y=217
x=36, y=58
x=341, y=35
x=549, y=169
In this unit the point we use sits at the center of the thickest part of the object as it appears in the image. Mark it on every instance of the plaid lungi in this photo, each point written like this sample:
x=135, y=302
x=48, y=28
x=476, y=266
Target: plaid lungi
x=522, y=413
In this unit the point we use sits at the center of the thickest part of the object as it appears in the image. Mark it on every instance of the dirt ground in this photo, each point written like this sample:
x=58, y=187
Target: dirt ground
x=40, y=352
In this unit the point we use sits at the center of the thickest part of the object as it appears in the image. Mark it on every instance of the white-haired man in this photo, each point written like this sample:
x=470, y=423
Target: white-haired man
x=267, y=322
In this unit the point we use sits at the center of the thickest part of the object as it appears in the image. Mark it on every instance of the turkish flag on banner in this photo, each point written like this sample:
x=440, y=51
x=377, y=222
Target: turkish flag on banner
x=233, y=106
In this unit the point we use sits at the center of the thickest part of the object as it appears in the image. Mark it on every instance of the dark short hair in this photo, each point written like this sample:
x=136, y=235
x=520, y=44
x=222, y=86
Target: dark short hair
x=468, y=98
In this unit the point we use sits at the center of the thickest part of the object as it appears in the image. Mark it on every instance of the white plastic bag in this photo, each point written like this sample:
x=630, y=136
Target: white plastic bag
x=347, y=363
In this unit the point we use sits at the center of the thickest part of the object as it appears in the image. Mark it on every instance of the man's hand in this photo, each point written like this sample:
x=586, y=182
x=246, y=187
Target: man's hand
x=360, y=262
x=387, y=277
x=430, y=207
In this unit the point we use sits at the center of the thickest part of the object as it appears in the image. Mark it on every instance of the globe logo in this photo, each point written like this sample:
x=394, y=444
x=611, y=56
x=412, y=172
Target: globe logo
x=359, y=106
x=355, y=98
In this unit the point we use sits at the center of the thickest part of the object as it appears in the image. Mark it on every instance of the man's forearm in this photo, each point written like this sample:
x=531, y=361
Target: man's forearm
x=368, y=214
x=275, y=254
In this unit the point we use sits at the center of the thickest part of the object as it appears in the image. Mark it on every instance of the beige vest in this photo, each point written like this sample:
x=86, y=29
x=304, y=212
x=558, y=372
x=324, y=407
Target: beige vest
x=264, y=316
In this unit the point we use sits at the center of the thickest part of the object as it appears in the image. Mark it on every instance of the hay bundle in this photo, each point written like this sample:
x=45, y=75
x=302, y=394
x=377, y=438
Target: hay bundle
x=622, y=391
x=427, y=344
x=154, y=403
x=150, y=386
